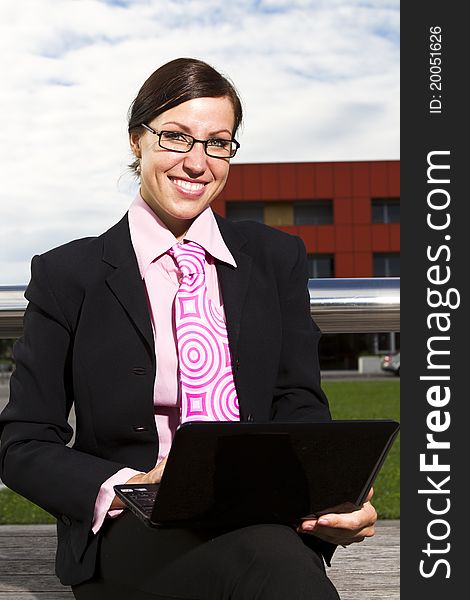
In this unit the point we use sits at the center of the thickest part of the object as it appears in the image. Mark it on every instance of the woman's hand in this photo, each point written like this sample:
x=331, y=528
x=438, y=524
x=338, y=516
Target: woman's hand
x=342, y=525
x=153, y=476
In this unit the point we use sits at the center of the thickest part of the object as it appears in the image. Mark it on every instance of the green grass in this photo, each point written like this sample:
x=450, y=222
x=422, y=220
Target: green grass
x=348, y=400
x=373, y=400
x=17, y=510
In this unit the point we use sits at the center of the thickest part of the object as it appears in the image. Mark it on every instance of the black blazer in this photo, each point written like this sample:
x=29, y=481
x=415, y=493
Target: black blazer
x=88, y=340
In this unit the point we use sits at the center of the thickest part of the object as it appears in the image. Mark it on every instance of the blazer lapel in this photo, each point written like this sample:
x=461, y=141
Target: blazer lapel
x=125, y=281
x=126, y=284
x=233, y=281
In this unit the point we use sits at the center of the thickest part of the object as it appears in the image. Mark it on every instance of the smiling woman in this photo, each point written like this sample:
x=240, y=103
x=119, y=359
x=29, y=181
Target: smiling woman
x=174, y=314
x=195, y=114
x=173, y=84
x=179, y=179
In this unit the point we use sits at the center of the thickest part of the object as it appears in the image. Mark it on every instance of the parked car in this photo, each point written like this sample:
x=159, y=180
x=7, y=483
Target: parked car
x=391, y=362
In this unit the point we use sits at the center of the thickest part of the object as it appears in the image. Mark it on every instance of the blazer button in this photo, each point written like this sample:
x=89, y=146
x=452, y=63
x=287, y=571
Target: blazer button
x=66, y=520
x=139, y=428
x=138, y=371
x=250, y=418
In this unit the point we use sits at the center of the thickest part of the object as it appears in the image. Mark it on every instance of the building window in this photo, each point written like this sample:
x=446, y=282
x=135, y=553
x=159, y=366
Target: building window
x=387, y=264
x=313, y=212
x=245, y=211
x=320, y=265
x=277, y=214
x=386, y=210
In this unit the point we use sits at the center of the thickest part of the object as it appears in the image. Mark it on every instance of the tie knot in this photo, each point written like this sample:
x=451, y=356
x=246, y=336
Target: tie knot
x=190, y=257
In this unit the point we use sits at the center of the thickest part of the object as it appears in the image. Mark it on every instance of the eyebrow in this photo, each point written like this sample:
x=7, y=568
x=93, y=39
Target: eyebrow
x=188, y=130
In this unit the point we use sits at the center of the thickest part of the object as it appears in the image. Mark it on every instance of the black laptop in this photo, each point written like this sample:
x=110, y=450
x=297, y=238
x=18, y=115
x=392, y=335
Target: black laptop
x=234, y=473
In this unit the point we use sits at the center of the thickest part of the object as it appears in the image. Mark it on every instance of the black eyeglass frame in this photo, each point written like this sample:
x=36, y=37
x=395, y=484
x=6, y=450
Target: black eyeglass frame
x=194, y=141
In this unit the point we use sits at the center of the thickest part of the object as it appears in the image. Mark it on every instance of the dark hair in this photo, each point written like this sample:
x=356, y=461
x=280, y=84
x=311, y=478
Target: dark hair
x=176, y=82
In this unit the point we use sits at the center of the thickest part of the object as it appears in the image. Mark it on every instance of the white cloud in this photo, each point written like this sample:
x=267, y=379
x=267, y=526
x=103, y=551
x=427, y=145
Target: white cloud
x=325, y=70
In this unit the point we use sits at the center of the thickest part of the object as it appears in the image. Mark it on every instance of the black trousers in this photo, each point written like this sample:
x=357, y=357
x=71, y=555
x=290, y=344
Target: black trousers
x=266, y=562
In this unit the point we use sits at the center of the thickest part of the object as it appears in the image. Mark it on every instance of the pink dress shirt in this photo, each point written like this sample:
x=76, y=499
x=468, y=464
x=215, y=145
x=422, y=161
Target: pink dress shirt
x=151, y=239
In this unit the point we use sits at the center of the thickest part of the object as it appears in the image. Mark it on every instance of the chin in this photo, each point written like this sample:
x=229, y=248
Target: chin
x=191, y=210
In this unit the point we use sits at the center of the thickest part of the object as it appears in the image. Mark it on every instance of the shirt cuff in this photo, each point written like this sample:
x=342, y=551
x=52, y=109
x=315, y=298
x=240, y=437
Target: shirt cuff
x=106, y=496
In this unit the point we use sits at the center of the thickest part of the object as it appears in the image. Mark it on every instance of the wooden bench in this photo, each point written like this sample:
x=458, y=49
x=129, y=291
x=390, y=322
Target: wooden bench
x=365, y=571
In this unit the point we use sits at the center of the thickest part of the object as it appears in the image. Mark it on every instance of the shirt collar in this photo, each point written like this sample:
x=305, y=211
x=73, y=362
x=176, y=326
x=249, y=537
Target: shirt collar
x=151, y=237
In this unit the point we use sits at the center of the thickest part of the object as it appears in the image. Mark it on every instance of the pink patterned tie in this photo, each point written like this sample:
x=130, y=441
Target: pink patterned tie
x=205, y=365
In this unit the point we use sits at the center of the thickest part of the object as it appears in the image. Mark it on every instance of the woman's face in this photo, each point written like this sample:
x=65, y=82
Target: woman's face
x=179, y=186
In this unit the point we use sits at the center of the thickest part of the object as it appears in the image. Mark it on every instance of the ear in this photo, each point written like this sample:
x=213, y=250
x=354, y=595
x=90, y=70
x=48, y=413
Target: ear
x=134, y=141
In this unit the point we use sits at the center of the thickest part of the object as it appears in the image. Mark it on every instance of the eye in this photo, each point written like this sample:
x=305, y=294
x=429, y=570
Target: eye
x=219, y=143
x=176, y=136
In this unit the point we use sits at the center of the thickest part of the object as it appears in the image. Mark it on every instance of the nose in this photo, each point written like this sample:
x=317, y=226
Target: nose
x=195, y=161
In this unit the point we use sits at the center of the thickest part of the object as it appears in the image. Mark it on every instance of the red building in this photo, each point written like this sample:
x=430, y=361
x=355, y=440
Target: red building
x=347, y=213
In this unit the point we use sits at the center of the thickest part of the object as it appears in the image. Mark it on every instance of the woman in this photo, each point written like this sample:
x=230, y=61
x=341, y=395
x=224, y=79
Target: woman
x=98, y=333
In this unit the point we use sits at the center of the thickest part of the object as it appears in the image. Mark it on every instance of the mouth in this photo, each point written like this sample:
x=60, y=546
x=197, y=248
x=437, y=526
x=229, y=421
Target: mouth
x=194, y=188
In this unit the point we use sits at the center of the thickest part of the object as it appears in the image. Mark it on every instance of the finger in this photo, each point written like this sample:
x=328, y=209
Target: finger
x=343, y=536
x=307, y=526
x=354, y=520
x=347, y=528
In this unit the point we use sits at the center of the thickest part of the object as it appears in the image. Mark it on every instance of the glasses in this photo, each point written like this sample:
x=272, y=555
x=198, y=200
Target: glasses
x=182, y=142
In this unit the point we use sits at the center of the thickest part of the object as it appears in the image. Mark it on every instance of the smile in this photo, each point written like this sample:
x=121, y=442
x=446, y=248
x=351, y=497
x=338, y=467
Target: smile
x=189, y=186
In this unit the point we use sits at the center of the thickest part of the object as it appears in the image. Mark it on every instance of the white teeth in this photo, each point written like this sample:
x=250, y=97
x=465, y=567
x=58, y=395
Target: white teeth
x=188, y=185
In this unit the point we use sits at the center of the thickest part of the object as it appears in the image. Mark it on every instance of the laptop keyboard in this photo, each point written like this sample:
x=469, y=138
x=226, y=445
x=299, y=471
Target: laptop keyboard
x=143, y=497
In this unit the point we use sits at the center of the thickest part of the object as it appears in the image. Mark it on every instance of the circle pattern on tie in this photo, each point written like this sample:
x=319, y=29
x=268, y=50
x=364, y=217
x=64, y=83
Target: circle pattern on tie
x=205, y=365
x=200, y=361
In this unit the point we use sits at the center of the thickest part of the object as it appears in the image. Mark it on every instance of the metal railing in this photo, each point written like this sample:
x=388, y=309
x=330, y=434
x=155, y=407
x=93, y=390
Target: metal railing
x=356, y=305
x=338, y=305
x=12, y=306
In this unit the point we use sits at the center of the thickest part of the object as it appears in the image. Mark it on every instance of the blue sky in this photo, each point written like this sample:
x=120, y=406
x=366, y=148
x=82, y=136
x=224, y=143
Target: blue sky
x=326, y=69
